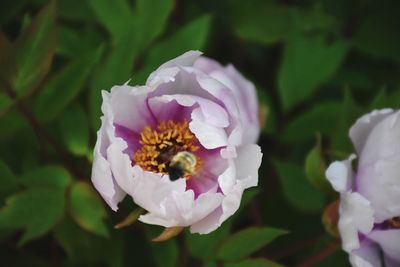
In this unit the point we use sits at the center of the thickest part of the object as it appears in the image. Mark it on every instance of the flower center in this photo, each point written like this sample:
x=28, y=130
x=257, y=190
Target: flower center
x=394, y=222
x=161, y=146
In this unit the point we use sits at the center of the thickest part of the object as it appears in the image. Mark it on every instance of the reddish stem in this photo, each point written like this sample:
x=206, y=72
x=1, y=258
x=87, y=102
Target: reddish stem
x=320, y=255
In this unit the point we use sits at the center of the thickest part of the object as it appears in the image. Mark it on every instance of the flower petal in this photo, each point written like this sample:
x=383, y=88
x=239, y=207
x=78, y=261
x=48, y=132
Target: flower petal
x=389, y=241
x=340, y=174
x=360, y=131
x=366, y=256
x=356, y=215
x=166, y=72
x=379, y=168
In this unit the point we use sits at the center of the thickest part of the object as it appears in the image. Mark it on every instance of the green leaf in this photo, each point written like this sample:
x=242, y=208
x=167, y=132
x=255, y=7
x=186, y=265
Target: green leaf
x=115, y=16
x=74, y=128
x=72, y=43
x=64, y=86
x=296, y=188
x=8, y=181
x=14, y=121
x=37, y=210
x=266, y=23
x=51, y=176
x=253, y=263
x=74, y=10
x=5, y=51
x=150, y=22
x=320, y=118
x=34, y=51
x=307, y=63
x=204, y=246
x=115, y=70
x=87, y=209
x=246, y=242
x=377, y=34
x=347, y=115
x=86, y=249
x=315, y=167
x=165, y=254
x=192, y=36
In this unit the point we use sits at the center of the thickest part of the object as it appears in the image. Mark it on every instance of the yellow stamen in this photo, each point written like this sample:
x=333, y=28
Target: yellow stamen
x=161, y=144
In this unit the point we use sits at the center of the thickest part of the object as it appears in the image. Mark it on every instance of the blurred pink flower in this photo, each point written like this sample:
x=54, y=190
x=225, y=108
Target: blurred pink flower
x=369, y=222
x=190, y=105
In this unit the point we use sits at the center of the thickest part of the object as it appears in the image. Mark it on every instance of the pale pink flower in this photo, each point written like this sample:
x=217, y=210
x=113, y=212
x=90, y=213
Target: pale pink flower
x=369, y=222
x=190, y=104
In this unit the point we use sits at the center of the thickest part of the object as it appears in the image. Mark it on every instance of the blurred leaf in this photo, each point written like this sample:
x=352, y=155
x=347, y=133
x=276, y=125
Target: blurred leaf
x=34, y=51
x=74, y=128
x=116, y=16
x=14, y=121
x=73, y=43
x=9, y=9
x=296, y=188
x=87, y=210
x=9, y=183
x=307, y=63
x=168, y=233
x=204, y=246
x=320, y=118
x=150, y=22
x=64, y=86
x=253, y=263
x=315, y=167
x=88, y=249
x=115, y=70
x=377, y=34
x=75, y=10
x=37, y=210
x=330, y=219
x=5, y=52
x=192, y=36
x=246, y=242
x=348, y=114
x=380, y=100
x=266, y=107
x=270, y=23
x=50, y=176
x=210, y=264
x=130, y=219
x=165, y=254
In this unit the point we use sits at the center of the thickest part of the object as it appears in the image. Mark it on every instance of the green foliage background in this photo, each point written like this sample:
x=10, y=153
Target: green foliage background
x=317, y=64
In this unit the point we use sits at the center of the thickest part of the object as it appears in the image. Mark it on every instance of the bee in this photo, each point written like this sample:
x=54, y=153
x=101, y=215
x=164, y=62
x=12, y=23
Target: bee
x=183, y=164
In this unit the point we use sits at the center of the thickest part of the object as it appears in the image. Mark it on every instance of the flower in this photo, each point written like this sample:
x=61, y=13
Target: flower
x=182, y=146
x=369, y=222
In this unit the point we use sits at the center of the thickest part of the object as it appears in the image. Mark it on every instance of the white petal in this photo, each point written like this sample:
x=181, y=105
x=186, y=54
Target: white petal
x=209, y=136
x=356, y=215
x=207, y=224
x=248, y=162
x=128, y=106
x=228, y=178
x=366, y=256
x=340, y=174
x=167, y=71
x=102, y=176
x=379, y=168
x=361, y=129
x=389, y=241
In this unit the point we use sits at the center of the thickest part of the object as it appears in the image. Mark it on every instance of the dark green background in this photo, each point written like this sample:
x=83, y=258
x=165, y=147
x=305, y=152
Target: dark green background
x=317, y=65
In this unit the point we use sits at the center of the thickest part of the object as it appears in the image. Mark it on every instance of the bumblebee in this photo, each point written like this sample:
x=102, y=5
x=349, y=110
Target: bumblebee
x=182, y=165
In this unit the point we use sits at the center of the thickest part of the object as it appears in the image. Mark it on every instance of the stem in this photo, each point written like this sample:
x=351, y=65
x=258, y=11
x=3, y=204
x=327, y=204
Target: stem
x=320, y=255
x=37, y=127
